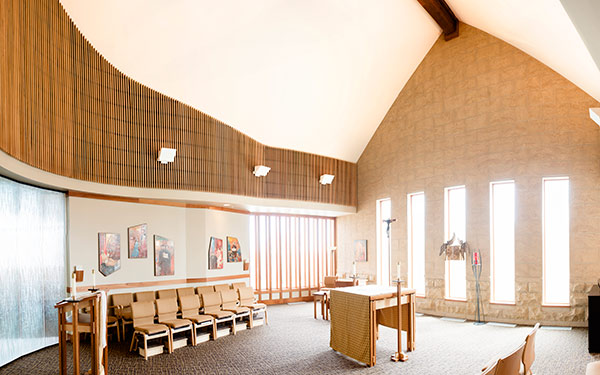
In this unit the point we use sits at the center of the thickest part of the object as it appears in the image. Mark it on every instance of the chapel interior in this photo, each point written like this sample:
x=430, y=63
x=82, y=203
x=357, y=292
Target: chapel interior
x=300, y=187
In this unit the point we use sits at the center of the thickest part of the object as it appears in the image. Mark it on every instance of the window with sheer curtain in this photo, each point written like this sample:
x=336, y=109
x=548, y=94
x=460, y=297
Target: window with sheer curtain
x=455, y=223
x=32, y=271
x=556, y=241
x=502, y=241
x=290, y=255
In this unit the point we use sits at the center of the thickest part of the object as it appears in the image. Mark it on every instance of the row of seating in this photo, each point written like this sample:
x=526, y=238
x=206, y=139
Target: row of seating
x=120, y=304
x=193, y=311
x=518, y=362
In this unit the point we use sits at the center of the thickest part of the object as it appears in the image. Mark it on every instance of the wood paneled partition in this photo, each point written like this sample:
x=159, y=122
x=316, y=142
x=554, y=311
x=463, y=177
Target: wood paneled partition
x=65, y=109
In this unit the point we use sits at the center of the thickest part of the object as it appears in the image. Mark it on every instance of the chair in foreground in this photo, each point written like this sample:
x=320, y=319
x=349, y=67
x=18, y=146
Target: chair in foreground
x=229, y=302
x=187, y=291
x=212, y=306
x=246, y=295
x=509, y=365
x=143, y=325
x=190, y=307
x=167, y=314
x=529, y=351
x=204, y=289
x=221, y=287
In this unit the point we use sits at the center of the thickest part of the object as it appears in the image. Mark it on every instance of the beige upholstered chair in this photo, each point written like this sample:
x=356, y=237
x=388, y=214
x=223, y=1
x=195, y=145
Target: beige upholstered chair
x=529, y=351
x=221, y=287
x=167, y=309
x=190, y=307
x=509, y=365
x=212, y=306
x=236, y=286
x=148, y=296
x=204, y=289
x=593, y=368
x=188, y=291
x=122, y=305
x=246, y=297
x=167, y=293
x=112, y=321
x=143, y=325
x=329, y=282
x=229, y=302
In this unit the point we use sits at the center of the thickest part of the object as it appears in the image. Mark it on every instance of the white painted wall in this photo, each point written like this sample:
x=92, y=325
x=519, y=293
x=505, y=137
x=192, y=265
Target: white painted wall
x=189, y=228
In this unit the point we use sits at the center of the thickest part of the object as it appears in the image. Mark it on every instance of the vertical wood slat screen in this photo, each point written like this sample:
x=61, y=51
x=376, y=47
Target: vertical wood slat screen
x=65, y=109
x=291, y=255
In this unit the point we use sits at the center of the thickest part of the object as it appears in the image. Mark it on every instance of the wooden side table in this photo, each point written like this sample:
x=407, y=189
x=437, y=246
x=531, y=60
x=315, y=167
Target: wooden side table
x=322, y=298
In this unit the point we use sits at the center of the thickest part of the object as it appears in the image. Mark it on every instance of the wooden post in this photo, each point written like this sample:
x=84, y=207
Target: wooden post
x=400, y=355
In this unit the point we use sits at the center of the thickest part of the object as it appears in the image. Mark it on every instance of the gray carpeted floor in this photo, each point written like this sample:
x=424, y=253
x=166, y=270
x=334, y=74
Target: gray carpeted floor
x=295, y=343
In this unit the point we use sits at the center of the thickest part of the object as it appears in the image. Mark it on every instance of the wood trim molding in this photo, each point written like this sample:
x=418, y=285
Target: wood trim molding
x=80, y=194
x=66, y=110
x=146, y=284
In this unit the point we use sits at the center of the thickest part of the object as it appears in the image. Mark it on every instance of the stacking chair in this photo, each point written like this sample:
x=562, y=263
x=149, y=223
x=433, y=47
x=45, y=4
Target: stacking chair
x=509, y=365
x=167, y=309
x=190, y=307
x=529, y=351
x=246, y=296
x=212, y=307
x=221, y=287
x=236, y=286
x=329, y=282
x=112, y=321
x=143, y=325
x=189, y=291
x=229, y=302
x=122, y=305
x=167, y=293
x=204, y=289
x=148, y=296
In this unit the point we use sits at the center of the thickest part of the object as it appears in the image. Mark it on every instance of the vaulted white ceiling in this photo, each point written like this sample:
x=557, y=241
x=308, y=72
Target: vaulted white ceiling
x=309, y=75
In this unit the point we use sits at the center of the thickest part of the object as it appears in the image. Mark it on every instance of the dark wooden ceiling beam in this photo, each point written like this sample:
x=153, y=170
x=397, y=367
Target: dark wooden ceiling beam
x=443, y=15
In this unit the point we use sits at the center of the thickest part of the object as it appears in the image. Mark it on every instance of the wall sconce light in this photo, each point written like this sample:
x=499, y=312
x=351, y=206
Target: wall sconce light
x=326, y=179
x=595, y=115
x=166, y=155
x=261, y=170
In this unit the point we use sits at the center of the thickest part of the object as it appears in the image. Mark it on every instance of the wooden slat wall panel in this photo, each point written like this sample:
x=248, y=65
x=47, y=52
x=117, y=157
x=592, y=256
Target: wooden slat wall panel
x=66, y=110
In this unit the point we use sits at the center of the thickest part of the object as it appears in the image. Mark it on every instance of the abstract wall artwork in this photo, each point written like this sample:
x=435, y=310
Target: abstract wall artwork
x=164, y=256
x=109, y=253
x=360, y=250
x=215, y=254
x=138, y=244
x=234, y=251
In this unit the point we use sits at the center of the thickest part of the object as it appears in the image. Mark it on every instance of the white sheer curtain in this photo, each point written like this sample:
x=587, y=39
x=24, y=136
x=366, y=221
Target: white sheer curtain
x=32, y=267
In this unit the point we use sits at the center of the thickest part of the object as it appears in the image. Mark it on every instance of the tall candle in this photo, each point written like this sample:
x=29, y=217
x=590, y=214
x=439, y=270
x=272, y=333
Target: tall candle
x=398, y=271
x=354, y=268
x=93, y=279
x=73, y=290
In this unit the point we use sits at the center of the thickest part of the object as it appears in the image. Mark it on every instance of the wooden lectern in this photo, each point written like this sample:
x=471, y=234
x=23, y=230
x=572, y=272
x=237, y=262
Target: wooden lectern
x=92, y=305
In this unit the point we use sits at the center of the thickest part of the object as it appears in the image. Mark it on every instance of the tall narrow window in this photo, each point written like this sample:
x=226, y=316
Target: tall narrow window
x=384, y=212
x=556, y=240
x=416, y=241
x=502, y=241
x=455, y=224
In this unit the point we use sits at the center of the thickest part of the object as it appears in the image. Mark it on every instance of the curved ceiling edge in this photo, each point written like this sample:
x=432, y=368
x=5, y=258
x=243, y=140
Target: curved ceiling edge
x=66, y=110
x=17, y=170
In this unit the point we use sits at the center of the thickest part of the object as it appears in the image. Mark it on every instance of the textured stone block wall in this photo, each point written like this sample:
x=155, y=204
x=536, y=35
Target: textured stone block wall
x=478, y=110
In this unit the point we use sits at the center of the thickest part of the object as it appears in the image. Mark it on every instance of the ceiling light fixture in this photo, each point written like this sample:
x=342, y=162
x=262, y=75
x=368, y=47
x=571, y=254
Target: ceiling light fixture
x=261, y=170
x=595, y=115
x=326, y=179
x=166, y=155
